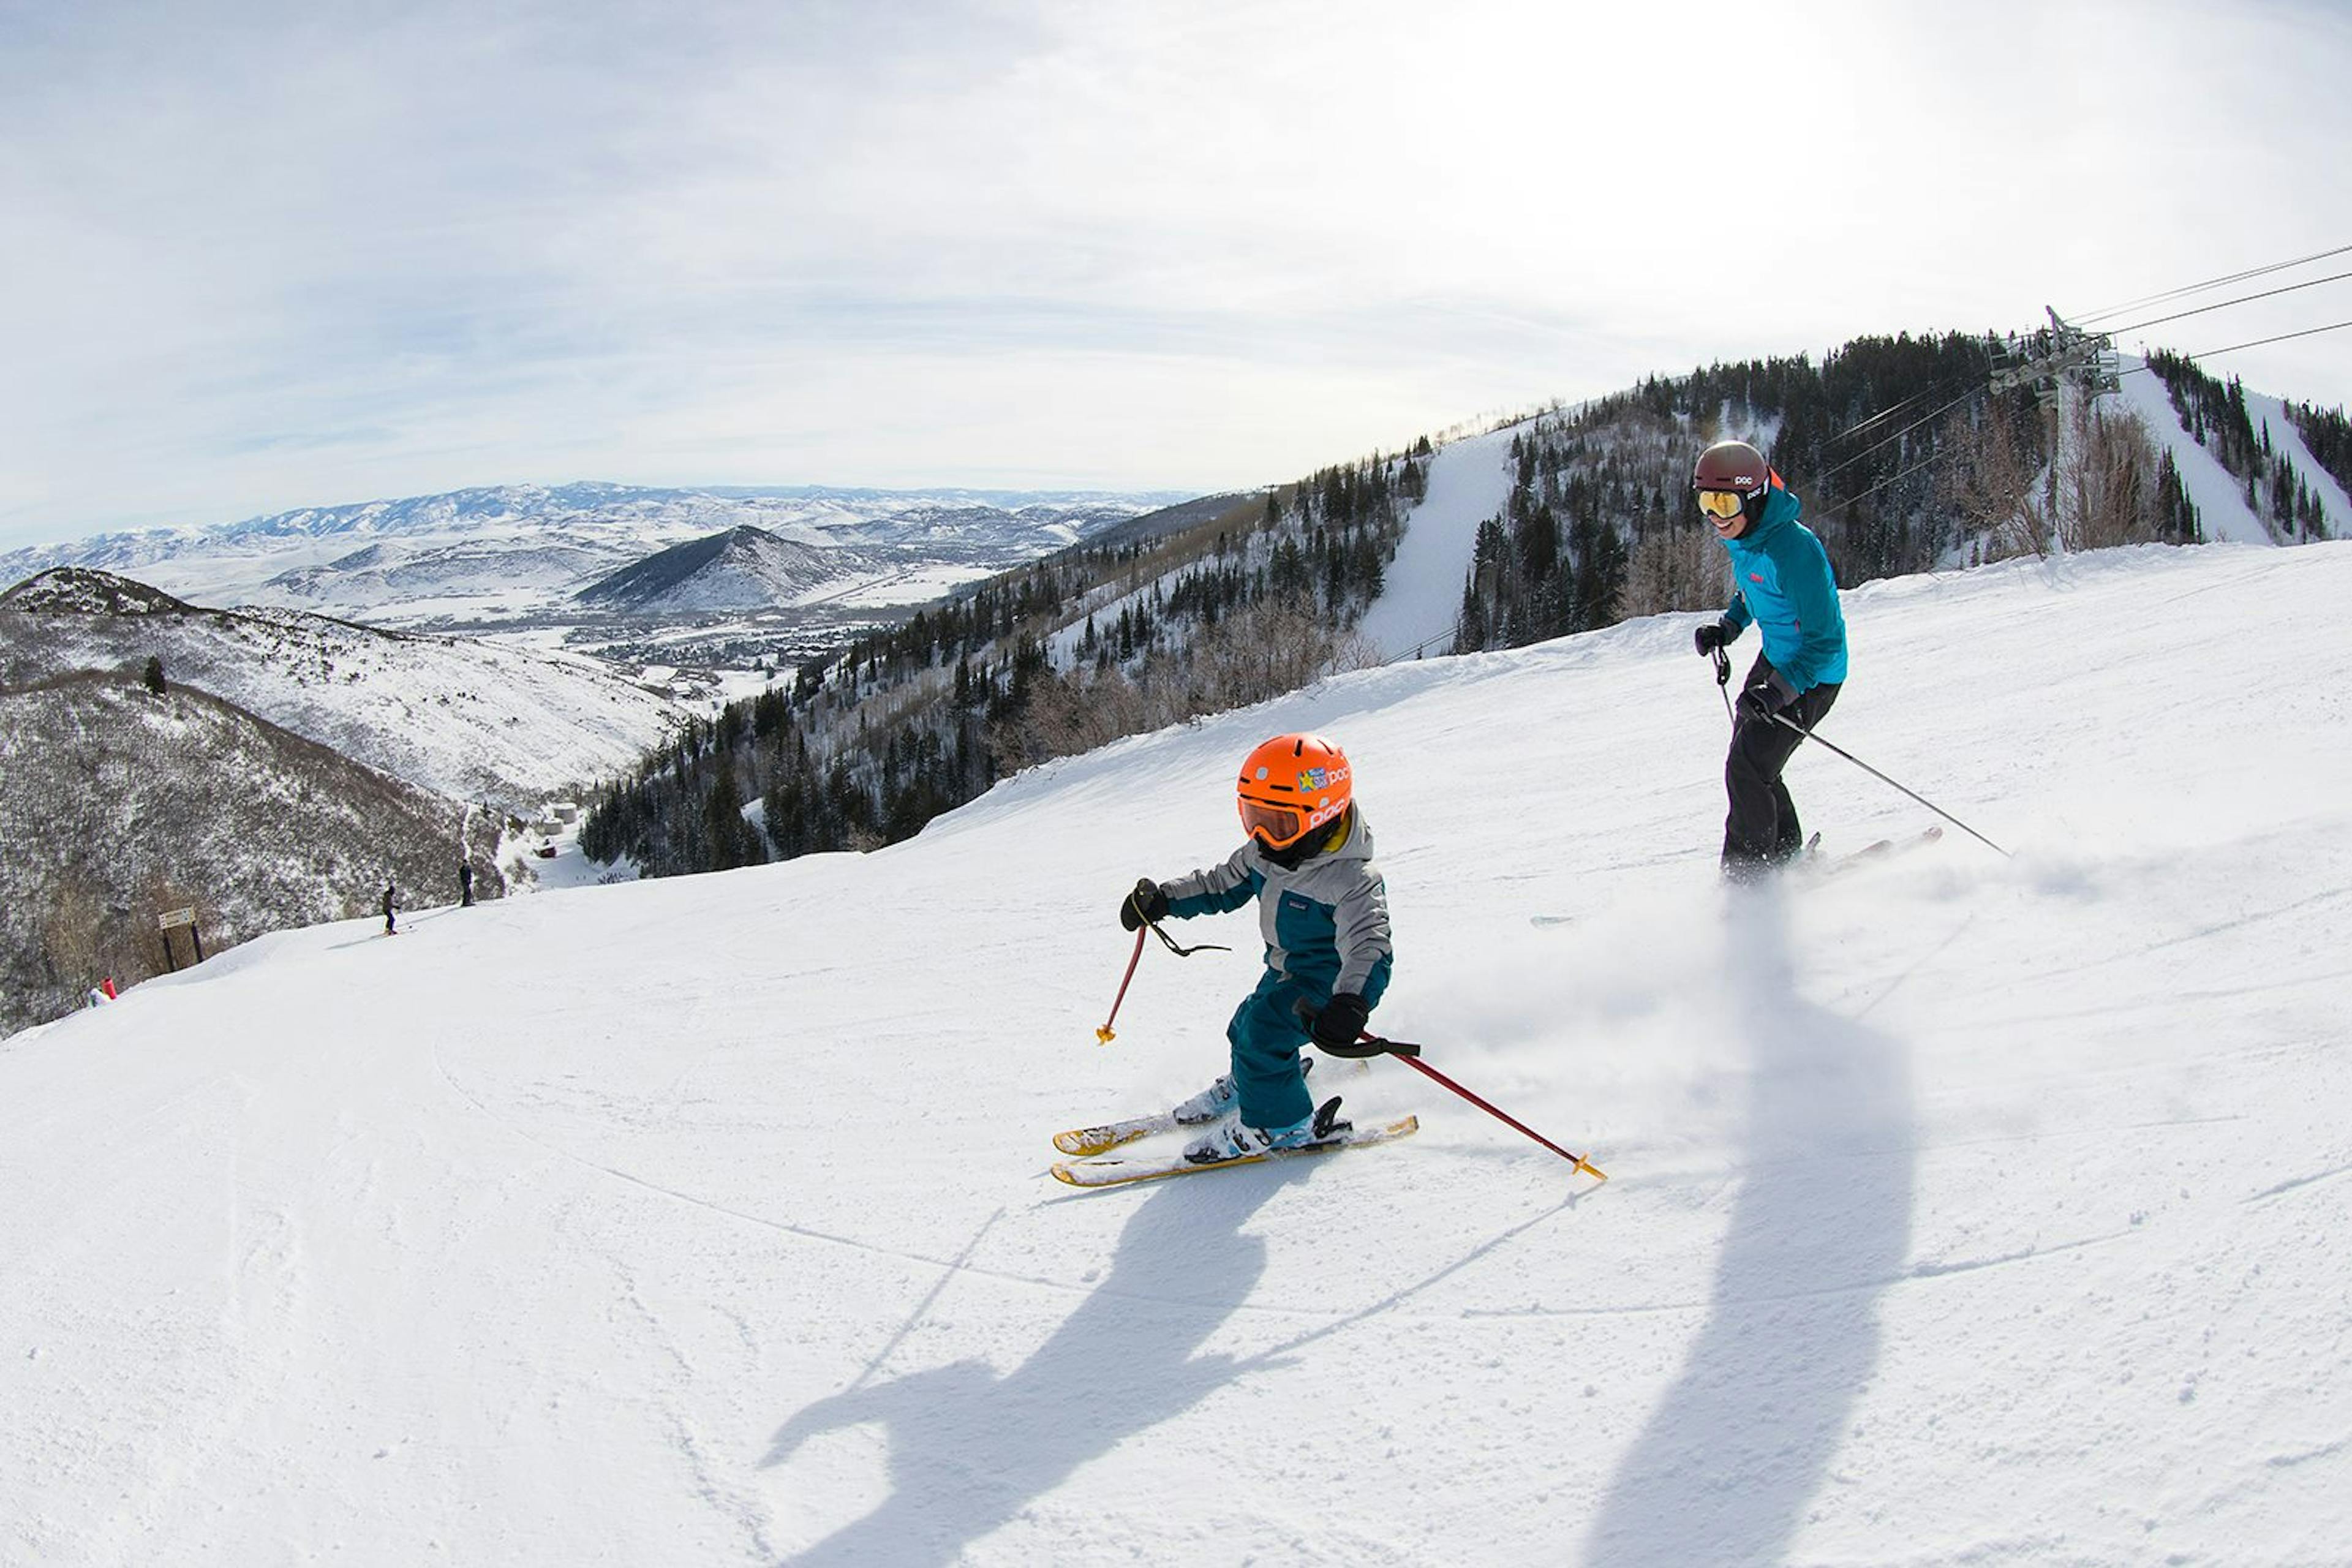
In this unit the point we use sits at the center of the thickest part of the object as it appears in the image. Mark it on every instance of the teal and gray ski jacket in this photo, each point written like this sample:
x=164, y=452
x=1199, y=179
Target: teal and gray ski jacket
x=1326, y=924
x=1782, y=582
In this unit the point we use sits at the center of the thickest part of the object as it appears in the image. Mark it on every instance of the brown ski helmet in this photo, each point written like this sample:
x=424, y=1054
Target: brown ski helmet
x=1730, y=480
x=1733, y=466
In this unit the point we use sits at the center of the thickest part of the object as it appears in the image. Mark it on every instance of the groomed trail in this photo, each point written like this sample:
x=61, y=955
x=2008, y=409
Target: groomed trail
x=1963, y=1210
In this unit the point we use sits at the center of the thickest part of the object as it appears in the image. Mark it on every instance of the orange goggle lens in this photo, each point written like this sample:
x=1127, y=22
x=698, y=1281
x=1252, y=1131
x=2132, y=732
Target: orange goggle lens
x=1274, y=826
x=1721, y=505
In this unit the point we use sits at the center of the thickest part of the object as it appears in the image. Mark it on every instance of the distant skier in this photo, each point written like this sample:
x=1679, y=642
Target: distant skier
x=390, y=895
x=1323, y=910
x=465, y=886
x=1782, y=582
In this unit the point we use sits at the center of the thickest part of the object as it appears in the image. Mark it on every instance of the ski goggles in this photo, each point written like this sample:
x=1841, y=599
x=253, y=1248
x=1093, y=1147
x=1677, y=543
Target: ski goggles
x=1721, y=505
x=1275, y=826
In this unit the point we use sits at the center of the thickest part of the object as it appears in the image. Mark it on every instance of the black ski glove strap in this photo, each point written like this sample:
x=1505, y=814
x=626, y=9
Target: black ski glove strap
x=1147, y=903
x=1146, y=907
x=1370, y=1045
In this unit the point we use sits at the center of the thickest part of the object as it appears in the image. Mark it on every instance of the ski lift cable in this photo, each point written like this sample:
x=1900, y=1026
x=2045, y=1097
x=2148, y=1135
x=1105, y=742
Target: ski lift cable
x=2258, y=342
x=1923, y=420
x=2251, y=272
x=1889, y=412
x=2225, y=304
x=2233, y=348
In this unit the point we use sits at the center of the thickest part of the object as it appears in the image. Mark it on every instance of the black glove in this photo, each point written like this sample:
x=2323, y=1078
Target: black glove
x=1342, y=1019
x=1710, y=638
x=1760, y=702
x=1149, y=901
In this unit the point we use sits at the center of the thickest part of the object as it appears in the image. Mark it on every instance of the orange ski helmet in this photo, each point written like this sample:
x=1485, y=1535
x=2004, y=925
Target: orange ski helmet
x=1290, y=787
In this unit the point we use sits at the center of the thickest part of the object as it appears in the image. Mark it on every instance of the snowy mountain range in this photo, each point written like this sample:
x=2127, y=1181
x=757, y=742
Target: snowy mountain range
x=1963, y=1210
x=522, y=552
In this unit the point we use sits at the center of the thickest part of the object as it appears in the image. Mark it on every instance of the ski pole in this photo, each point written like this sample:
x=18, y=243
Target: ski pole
x=1408, y=1052
x=1104, y=1033
x=1723, y=683
x=1882, y=778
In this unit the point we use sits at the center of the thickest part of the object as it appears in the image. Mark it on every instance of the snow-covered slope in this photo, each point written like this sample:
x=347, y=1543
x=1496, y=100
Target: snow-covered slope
x=1965, y=1210
x=1469, y=482
x=462, y=718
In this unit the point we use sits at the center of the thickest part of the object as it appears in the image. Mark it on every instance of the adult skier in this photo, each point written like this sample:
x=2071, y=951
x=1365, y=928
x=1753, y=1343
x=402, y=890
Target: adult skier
x=1782, y=582
x=1323, y=911
x=391, y=894
x=464, y=885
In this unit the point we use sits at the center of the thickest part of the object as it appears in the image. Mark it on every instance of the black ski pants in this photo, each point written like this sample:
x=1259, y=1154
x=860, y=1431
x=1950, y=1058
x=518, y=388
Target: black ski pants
x=1762, y=829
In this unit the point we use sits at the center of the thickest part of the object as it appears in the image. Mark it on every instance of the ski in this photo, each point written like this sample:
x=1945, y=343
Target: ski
x=1085, y=1141
x=1833, y=865
x=1119, y=1172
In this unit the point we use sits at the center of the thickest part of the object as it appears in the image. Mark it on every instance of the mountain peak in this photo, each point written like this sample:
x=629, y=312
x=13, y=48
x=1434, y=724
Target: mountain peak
x=744, y=567
x=86, y=591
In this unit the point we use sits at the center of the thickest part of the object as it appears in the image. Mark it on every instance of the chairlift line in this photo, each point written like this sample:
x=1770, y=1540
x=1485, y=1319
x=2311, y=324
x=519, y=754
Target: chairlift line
x=2208, y=283
x=1919, y=423
x=2258, y=342
x=2225, y=304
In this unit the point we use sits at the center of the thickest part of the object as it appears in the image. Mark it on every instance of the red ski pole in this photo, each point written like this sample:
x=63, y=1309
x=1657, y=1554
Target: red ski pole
x=1410, y=1054
x=1104, y=1033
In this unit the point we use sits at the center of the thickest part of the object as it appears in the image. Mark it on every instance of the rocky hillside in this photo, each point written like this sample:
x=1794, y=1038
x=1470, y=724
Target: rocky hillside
x=458, y=718
x=123, y=802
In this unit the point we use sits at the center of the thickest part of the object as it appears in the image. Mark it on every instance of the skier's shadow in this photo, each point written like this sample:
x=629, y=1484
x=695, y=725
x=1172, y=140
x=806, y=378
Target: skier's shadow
x=1736, y=1452
x=971, y=1448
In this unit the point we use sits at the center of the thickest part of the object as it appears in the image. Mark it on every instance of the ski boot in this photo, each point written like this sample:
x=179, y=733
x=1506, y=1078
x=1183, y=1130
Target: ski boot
x=1218, y=1099
x=1231, y=1138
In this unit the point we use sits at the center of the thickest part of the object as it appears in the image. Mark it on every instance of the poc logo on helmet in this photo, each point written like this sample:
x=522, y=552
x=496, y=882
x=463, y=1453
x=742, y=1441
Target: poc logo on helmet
x=1314, y=781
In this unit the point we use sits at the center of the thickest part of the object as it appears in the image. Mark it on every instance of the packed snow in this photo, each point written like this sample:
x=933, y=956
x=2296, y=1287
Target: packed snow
x=1469, y=482
x=1963, y=1209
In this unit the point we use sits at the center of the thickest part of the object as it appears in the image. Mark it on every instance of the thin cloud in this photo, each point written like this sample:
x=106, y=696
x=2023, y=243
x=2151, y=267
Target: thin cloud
x=291, y=256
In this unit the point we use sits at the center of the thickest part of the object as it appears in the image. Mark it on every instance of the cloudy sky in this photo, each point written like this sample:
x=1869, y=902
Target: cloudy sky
x=256, y=256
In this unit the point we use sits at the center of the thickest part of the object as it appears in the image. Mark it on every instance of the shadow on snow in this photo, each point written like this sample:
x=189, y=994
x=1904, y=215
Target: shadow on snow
x=1730, y=1465
x=971, y=1448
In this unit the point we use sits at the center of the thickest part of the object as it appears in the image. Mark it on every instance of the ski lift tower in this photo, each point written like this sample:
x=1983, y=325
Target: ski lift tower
x=2085, y=358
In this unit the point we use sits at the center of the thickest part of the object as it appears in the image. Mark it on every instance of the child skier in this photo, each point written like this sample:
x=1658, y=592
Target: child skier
x=1323, y=909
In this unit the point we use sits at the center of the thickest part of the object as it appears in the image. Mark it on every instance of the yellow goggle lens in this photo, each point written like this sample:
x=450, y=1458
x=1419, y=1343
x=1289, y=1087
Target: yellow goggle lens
x=1723, y=505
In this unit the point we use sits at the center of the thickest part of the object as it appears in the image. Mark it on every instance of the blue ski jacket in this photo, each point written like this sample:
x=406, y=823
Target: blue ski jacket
x=1783, y=583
